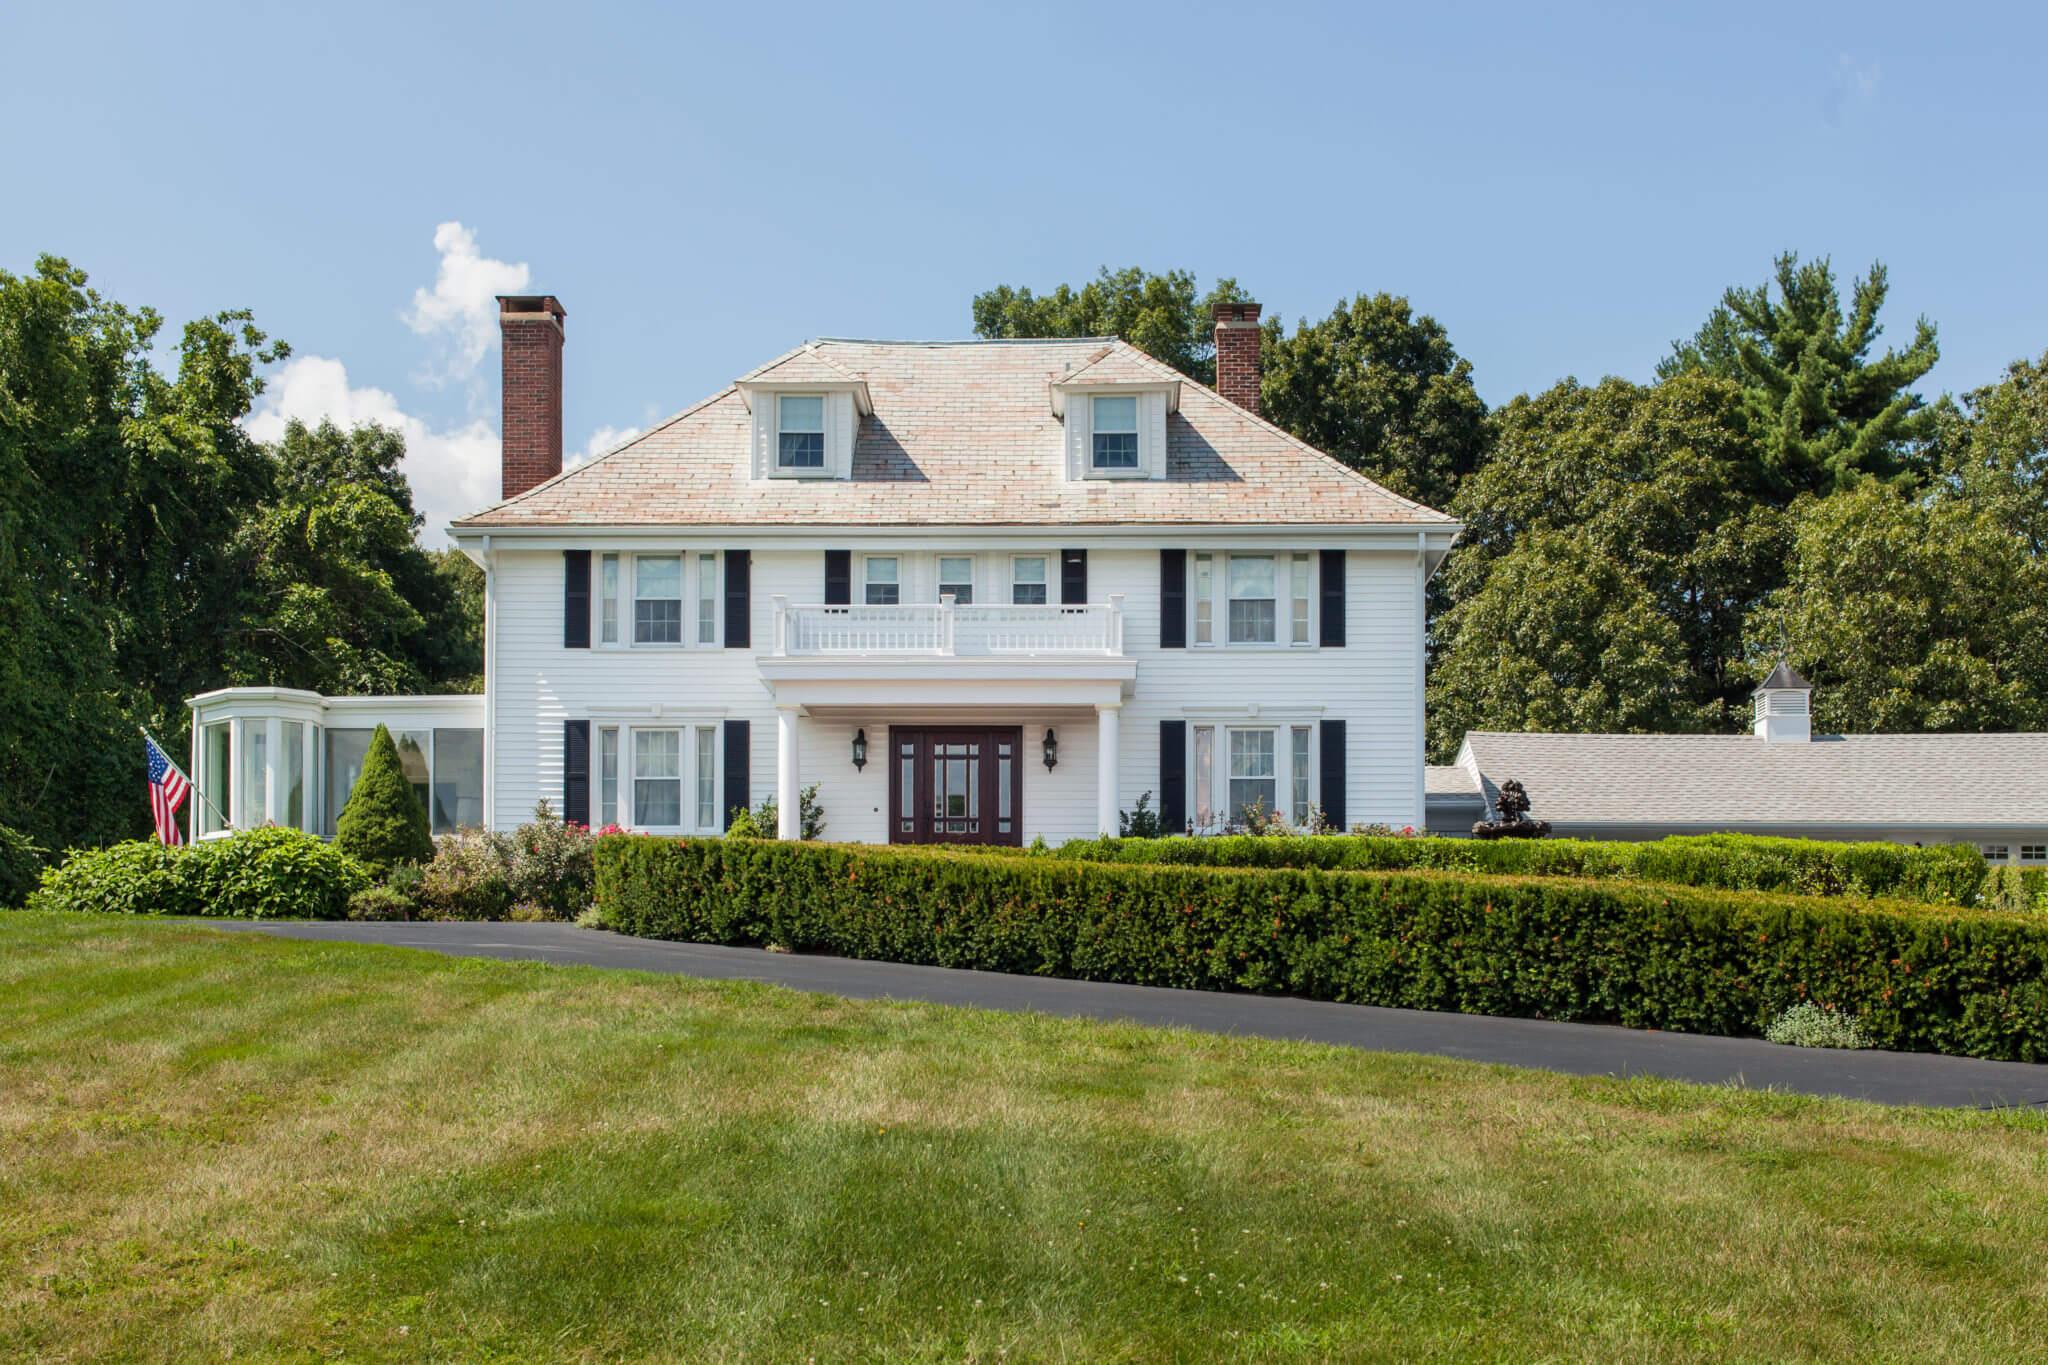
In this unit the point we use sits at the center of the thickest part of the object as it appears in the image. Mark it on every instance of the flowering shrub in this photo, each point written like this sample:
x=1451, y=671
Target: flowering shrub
x=469, y=877
x=267, y=873
x=550, y=871
x=541, y=870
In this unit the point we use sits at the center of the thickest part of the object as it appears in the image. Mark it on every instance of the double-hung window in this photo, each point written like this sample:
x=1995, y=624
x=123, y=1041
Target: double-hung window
x=1115, y=427
x=883, y=584
x=707, y=599
x=608, y=599
x=1298, y=749
x=658, y=600
x=1243, y=599
x=607, y=776
x=1252, y=594
x=800, y=431
x=707, y=777
x=956, y=576
x=657, y=778
x=1254, y=775
x=1027, y=580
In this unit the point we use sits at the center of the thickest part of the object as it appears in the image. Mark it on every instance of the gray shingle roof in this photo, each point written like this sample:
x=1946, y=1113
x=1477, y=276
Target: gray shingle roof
x=1739, y=780
x=1450, y=782
x=963, y=434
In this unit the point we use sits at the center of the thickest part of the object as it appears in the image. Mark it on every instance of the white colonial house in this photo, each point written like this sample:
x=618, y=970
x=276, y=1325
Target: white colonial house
x=974, y=591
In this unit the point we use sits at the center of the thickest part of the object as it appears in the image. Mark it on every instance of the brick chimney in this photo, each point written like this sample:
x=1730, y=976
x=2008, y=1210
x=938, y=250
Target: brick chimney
x=531, y=325
x=1237, y=354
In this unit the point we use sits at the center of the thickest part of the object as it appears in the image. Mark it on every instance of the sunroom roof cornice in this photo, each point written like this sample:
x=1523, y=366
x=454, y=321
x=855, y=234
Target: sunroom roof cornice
x=863, y=403
x=1059, y=389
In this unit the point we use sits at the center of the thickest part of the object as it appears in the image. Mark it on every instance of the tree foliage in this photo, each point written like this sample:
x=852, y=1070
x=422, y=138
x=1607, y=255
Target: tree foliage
x=1911, y=614
x=150, y=549
x=1825, y=412
x=1992, y=451
x=1160, y=314
x=383, y=822
x=1383, y=390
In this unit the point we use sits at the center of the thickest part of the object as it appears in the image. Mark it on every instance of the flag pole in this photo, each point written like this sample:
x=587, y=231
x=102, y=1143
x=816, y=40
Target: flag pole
x=192, y=786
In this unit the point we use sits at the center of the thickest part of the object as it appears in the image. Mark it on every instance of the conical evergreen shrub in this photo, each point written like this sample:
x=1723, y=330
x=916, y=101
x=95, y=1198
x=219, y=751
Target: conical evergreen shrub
x=384, y=822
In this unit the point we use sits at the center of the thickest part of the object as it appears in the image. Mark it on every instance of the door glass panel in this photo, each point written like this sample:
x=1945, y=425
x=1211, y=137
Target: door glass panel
x=1006, y=760
x=906, y=802
x=956, y=788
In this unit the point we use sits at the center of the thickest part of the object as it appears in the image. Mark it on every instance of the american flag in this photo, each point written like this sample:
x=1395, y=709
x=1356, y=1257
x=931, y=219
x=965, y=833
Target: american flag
x=167, y=790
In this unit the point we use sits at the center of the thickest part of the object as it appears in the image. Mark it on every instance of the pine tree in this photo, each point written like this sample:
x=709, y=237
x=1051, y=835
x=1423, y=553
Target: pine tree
x=1828, y=415
x=384, y=823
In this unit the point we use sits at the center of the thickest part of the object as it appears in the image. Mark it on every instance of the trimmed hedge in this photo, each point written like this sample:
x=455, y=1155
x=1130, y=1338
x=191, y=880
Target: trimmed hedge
x=264, y=874
x=1939, y=874
x=1689, y=959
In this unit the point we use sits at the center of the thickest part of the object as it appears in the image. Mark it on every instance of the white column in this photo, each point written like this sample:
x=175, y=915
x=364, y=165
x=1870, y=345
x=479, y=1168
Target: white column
x=788, y=798
x=1106, y=726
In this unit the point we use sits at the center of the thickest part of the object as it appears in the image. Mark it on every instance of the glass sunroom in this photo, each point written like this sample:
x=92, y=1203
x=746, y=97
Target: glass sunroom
x=280, y=756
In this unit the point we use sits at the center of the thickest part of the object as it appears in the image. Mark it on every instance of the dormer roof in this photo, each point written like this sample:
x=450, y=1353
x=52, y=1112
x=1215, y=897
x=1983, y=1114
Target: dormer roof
x=960, y=433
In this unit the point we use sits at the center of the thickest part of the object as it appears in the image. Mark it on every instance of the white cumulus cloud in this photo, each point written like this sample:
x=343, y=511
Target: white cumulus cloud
x=453, y=470
x=602, y=442
x=460, y=311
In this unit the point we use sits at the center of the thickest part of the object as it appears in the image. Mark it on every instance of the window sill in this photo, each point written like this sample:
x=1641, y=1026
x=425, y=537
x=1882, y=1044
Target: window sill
x=1112, y=475
x=802, y=474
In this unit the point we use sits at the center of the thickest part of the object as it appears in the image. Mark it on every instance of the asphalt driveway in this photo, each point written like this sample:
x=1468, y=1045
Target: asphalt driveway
x=1579, y=1049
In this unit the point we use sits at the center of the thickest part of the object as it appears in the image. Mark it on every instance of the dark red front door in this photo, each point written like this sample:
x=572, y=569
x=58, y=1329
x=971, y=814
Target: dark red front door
x=959, y=785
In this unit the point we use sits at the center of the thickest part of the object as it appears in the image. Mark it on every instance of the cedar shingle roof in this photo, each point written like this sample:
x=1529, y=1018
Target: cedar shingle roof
x=1738, y=781
x=962, y=434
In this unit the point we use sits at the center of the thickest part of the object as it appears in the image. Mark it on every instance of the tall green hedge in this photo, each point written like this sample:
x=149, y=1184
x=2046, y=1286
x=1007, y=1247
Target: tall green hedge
x=1941, y=874
x=267, y=873
x=21, y=864
x=1690, y=959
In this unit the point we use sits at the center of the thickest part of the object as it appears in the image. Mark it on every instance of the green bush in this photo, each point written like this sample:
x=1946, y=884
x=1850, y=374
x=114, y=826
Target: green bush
x=1942, y=874
x=1690, y=959
x=381, y=903
x=2005, y=890
x=470, y=877
x=765, y=822
x=550, y=871
x=265, y=873
x=541, y=871
x=21, y=867
x=383, y=821
x=1811, y=1024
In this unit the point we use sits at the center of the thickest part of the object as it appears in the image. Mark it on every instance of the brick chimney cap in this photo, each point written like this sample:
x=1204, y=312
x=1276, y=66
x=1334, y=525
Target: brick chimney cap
x=1237, y=312
x=531, y=303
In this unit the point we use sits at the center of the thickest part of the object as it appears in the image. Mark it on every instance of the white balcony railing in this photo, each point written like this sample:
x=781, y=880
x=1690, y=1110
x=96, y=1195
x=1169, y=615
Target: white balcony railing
x=945, y=628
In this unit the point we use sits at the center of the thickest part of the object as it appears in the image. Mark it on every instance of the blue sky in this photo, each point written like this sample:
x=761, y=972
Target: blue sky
x=1566, y=187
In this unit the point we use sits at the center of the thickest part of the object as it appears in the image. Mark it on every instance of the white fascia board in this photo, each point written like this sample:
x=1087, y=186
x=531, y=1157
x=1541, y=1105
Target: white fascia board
x=1436, y=538
x=1059, y=391
x=863, y=402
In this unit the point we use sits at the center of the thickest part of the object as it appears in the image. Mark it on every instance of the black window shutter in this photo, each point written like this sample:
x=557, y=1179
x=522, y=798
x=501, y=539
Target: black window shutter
x=838, y=578
x=738, y=764
x=1173, y=775
x=576, y=771
x=1173, y=600
x=576, y=599
x=1333, y=775
x=1073, y=577
x=738, y=618
x=1333, y=600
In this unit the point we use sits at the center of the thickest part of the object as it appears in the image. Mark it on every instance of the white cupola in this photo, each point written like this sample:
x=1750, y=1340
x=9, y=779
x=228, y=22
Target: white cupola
x=1784, y=710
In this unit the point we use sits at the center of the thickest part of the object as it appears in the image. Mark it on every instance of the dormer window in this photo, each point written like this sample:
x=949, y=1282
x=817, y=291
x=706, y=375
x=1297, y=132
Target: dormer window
x=800, y=431
x=1115, y=427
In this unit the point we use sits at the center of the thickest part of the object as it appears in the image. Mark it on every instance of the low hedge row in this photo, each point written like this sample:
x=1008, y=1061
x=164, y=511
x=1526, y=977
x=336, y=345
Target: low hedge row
x=1690, y=959
x=1940, y=874
x=263, y=874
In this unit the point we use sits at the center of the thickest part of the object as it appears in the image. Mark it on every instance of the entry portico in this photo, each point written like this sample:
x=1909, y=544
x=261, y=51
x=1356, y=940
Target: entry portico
x=946, y=665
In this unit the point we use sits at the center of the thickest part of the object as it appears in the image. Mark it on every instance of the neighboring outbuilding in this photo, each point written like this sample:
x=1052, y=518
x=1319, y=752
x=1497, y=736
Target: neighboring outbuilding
x=1780, y=779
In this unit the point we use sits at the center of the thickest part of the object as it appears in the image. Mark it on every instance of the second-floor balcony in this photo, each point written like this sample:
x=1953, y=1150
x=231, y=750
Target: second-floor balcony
x=946, y=629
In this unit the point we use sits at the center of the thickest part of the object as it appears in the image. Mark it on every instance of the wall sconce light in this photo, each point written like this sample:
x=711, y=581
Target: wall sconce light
x=1052, y=751
x=860, y=749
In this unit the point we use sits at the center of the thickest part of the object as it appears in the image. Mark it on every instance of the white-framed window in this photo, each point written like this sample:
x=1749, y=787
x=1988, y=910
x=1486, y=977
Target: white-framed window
x=956, y=576
x=883, y=582
x=657, y=599
x=1298, y=581
x=800, y=431
x=216, y=777
x=658, y=779
x=1113, y=423
x=1027, y=580
x=1254, y=774
x=1236, y=768
x=707, y=599
x=1252, y=597
x=1242, y=599
x=255, y=772
x=707, y=777
x=1995, y=853
x=608, y=599
x=608, y=776
x=444, y=765
x=2034, y=853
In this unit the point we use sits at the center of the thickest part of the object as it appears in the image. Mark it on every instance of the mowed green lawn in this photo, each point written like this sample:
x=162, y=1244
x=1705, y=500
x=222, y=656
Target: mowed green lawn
x=216, y=1145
